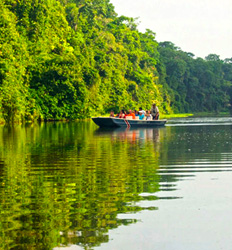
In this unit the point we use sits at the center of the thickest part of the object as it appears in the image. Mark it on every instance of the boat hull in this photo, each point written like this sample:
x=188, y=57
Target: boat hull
x=110, y=122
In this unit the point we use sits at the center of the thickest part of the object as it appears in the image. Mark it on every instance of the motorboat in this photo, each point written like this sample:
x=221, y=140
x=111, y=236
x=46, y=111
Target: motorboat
x=112, y=122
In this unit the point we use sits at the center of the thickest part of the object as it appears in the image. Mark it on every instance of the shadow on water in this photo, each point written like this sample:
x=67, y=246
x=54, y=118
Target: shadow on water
x=67, y=183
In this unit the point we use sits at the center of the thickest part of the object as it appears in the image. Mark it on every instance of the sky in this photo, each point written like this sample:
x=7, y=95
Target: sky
x=201, y=27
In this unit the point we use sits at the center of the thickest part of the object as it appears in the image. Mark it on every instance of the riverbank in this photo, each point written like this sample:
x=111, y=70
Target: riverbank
x=207, y=114
x=200, y=114
x=162, y=116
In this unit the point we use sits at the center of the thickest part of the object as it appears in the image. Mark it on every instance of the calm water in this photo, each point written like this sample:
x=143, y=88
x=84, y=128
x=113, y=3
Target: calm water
x=73, y=186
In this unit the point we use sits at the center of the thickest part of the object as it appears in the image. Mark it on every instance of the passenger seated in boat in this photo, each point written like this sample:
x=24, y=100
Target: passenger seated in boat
x=131, y=114
x=111, y=113
x=121, y=114
x=141, y=115
x=148, y=115
x=136, y=115
x=143, y=111
x=128, y=117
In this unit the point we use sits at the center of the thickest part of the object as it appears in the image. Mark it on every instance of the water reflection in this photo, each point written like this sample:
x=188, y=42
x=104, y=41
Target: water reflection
x=131, y=134
x=61, y=184
x=68, y=183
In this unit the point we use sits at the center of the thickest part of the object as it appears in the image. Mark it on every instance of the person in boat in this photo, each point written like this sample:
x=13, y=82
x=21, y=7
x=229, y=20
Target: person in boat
x=148, y=115
x=155, y=112
x=136, y=112
x=131, y=114
x=121, y=114
x=111, y=113
x=143, y=111
x=141, y=115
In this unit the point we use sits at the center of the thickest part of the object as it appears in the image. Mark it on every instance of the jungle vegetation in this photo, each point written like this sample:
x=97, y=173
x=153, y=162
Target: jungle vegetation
x=70, y=59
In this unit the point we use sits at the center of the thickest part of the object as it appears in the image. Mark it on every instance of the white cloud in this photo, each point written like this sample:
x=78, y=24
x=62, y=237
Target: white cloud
x=198, y=26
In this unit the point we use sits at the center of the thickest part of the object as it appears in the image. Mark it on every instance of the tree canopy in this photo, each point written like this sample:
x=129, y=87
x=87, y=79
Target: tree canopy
x=69, y=59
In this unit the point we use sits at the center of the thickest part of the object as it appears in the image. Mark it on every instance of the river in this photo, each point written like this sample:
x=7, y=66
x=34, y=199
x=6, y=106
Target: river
x=73, y=186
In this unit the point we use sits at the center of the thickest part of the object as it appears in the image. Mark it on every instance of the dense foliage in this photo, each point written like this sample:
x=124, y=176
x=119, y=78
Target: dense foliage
x=197, y=85
x=71, y=59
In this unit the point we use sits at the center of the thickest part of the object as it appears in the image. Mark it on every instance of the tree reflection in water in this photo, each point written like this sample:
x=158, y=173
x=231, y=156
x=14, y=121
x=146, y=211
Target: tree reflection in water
x=66, y=183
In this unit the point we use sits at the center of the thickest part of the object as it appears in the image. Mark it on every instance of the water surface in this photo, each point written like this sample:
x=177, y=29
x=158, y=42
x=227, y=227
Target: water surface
x=74, y=186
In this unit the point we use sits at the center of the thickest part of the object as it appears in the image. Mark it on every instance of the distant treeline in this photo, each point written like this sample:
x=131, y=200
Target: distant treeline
x=69, y=59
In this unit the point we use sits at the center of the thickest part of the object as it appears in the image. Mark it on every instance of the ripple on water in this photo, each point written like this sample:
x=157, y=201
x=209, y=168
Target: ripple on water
x=68, y=184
